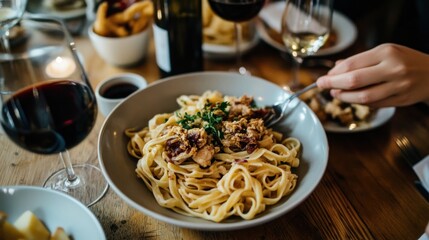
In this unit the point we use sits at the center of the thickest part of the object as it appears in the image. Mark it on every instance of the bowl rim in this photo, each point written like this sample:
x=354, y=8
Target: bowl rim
x=211, y=226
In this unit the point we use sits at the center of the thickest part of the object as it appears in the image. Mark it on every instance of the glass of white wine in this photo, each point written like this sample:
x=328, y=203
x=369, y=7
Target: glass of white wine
x=11, y=12
x=306, y=25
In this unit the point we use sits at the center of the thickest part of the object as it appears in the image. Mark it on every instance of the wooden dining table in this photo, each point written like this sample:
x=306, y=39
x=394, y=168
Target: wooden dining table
x=368, y=190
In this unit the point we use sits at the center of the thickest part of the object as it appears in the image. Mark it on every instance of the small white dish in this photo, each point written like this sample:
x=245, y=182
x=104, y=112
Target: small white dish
x=271, y=14
x=54, y=208
x=217, y=51
x=113, y=90
x=380, y=117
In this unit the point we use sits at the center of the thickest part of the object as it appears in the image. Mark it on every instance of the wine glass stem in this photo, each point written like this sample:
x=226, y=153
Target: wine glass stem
x=65, y=158
x=238, y=39
x=5, y=43
x=295, y=77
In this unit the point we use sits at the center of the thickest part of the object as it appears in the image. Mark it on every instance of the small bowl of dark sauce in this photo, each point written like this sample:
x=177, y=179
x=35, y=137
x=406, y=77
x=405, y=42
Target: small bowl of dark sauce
x=112, y=91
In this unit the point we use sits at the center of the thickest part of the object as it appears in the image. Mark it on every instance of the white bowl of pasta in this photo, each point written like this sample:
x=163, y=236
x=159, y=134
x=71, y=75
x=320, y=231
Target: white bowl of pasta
x=191, y=150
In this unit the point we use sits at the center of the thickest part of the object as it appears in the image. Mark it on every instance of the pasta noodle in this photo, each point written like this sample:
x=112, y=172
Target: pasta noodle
x=214, y=158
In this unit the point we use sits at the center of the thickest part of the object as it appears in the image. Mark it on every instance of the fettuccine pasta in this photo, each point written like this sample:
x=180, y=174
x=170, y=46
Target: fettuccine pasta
x=214, y=158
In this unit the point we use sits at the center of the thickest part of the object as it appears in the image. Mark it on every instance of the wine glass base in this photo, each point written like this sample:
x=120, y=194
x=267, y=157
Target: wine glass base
x=89, y=187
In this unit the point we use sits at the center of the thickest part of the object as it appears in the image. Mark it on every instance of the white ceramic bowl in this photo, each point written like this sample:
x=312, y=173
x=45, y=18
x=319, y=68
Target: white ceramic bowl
x=54, y=208
x=160, y=97
x=121, y=51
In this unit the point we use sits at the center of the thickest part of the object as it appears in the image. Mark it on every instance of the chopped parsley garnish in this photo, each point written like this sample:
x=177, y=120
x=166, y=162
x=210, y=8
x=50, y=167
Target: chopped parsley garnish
x=187, y=121
x=211, y=116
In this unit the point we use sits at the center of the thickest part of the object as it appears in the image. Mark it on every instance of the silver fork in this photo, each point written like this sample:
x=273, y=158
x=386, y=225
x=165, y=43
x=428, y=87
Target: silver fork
x=412, y=156
x=280, y=108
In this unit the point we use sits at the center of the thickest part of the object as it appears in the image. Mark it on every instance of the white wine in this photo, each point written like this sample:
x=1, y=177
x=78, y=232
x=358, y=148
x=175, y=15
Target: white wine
x=304, y=43
x=178, y=36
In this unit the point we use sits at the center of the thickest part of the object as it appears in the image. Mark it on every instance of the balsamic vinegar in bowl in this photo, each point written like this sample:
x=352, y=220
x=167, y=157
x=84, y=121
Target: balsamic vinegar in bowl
x=119, y=90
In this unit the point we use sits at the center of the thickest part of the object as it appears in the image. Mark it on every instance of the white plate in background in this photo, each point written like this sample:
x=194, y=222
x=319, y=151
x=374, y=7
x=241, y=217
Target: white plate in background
x=218, y=51
x=345, y=29
x=380, y=117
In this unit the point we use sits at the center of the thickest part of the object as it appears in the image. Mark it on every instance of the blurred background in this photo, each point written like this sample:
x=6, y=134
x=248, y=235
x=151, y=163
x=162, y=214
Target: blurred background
x=404, y=22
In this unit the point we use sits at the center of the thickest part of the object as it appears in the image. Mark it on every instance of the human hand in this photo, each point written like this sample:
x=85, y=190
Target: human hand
x=387, y=75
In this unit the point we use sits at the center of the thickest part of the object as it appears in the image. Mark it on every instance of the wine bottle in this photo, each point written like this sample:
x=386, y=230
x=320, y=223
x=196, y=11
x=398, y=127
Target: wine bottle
x=178, y=36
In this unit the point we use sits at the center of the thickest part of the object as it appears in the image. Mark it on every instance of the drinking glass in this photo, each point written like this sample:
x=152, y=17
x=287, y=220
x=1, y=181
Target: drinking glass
x=306, y=25
x=11, y=12
x=237, y=11
x=48, y=105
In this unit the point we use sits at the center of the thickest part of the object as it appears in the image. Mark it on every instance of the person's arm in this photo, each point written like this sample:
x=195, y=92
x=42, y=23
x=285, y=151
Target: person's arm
x=387, y=75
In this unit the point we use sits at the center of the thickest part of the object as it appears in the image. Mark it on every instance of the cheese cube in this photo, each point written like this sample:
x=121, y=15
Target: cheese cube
x=31, y=227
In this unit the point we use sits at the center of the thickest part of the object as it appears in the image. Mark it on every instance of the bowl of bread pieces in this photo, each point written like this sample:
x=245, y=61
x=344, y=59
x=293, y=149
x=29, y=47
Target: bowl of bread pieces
x=121, y=36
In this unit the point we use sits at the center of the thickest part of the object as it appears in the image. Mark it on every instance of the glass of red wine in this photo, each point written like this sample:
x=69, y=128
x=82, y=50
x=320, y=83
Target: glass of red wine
x=48, y=105
x=237, y=11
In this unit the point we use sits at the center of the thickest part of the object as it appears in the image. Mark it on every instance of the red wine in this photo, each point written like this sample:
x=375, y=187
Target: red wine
x=50, y=117
x=120, y=90
x=236, y=11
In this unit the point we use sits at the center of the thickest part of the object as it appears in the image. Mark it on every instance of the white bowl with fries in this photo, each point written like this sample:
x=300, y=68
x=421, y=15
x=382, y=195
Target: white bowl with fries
x=121, y=51
x=119, y=167
x=122, y=39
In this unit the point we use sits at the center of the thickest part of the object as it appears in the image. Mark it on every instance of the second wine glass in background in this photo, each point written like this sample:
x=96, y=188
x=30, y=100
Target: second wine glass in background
x=237, y=11
x=11, y=12
x=306, y=25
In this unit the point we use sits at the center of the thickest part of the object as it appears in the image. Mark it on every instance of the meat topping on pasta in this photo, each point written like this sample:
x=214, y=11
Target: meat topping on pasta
x=235, y=124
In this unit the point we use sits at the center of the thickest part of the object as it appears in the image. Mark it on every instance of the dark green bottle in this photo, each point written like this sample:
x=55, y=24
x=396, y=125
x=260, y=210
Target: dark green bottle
x=178, y=36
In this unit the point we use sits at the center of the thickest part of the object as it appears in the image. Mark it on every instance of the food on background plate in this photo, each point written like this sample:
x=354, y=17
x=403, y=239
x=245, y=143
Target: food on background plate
x=131, y=20
x=213, y=158
x=328, y=108
x=221, y=32
x=28, y=226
